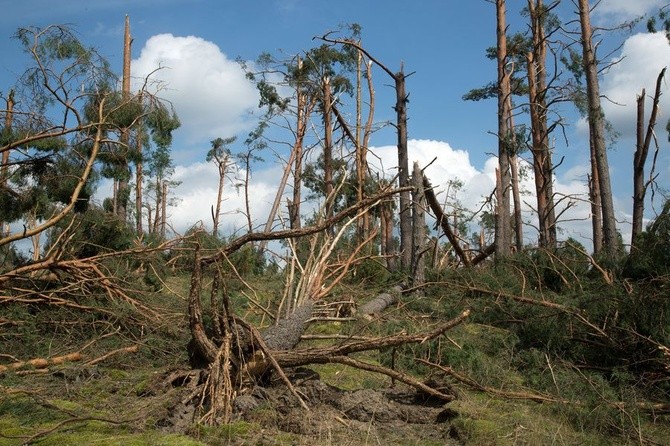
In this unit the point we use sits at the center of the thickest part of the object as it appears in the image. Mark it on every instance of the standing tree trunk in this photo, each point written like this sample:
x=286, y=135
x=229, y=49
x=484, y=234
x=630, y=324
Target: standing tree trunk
x=328, y=149
x=362, y=145
x=386, y=226
x=159, y=206
x=4, y=171
x=222, y=165
x=403, y=173
x=139, y=179
x=541, y=157
x=537, y=92
x=640, y=158
x=403, y=160
x=597, y=132
x=301, y=128
x=596, y=207
x=502, y=221
x=514, y=178
x=418, y=227
x=516, y=195
x=247, y=178
x=164, y=195
x=122, y=190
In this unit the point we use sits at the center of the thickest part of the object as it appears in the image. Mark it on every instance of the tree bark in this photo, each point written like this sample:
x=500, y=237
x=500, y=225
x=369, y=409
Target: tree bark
x=640, y=157
x=611, y=249
x=122, y=191
x=405, y=215
x=301, y=128
x=139, y=179
x=363, y=227
x=387, y=249
x=380, y=302
x=516, y=196
x=327, y=149
x=596, y=208
x=164, y=194
x=222, y=166
x=502, y=220
x=541, y=157
x=4, y=170
x=418, y=227
x=443, y=221
x=287, y=332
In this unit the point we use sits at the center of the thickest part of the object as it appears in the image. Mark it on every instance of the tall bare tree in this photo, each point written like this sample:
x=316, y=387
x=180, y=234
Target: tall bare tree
x=220, y=155
x=405, y=212
x=503, y=228
x=540, y=131
x=327, y=102
x=4, y=169
x=596, y=119
x=121, y=198
x=418, y=227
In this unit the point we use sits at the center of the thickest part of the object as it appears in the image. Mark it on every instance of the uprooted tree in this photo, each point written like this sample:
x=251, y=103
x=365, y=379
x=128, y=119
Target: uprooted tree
x=234, y=352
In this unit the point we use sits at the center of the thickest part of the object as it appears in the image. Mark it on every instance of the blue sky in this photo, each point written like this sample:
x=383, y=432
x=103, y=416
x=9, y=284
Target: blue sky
x=441, y=41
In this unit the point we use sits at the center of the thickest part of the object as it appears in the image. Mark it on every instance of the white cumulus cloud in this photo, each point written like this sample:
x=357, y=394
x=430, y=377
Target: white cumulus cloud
x=209, y=91
x=644, y=55
x=627, y=9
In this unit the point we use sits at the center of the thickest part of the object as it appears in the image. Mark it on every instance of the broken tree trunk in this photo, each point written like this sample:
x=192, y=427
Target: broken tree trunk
x=443, y=221
x=418, y=229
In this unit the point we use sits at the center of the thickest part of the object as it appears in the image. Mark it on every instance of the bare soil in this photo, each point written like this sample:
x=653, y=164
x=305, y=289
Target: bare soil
x=396, y=415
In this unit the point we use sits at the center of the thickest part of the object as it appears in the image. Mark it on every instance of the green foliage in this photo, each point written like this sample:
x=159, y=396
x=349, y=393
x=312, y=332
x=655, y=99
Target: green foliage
x=650, y=255
x=518, y=45
x=95, y=232
x=63, y=63
x=247, y=261
x=371, y=271
x=220, y=150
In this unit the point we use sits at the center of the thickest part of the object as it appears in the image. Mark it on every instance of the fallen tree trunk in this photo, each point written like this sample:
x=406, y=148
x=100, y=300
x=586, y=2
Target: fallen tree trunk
x=40, y=363
x=287, y=332
x=318, y=355
x=380, y=303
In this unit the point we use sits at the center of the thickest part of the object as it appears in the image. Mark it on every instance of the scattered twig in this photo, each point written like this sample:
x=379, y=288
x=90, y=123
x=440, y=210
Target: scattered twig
x=132, y=349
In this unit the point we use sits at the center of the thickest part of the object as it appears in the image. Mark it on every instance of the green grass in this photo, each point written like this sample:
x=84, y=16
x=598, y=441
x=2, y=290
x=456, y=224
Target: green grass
x=124, y=387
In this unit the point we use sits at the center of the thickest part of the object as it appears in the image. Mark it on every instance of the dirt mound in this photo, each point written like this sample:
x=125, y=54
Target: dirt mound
x=336, y=416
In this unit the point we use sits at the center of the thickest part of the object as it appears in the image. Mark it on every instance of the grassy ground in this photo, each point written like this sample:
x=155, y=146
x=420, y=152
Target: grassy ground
x=124, y=399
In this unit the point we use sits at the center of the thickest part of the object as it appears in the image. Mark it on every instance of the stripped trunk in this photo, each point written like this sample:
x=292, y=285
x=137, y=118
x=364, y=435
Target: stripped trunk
x=362, y=145
x=122, y=189
x=386, y=217
x=301, y=128
x=596, y=208
x=328, y=149
x=514, y=178
x=4, y=171
x=542, y=163
x=516, y=195
x=139, y=179
x=640, y=158
x=597, y=132
x=405, y=215
x=222, y=165
x=164, y=194
x=418, y=228
x=502, y=221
